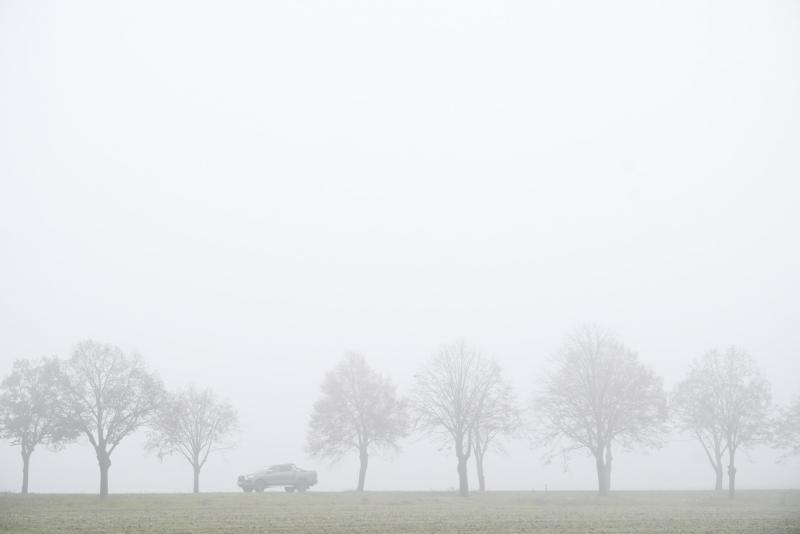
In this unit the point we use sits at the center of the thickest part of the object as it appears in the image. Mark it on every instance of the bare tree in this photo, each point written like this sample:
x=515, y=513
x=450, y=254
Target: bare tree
x=787, y=429
x=29, y=404
x=697, y=404
x=108, y=395
x=738, y=399
x=358, y=410
x=498, y=417
x=193, y=424
x=598, y=395
x=450, y=392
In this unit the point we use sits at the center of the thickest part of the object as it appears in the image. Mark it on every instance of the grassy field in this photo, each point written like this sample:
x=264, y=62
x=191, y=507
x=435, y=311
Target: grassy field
x=768, y=512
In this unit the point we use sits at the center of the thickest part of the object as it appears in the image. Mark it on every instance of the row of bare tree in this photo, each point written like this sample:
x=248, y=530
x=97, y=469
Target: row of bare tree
x=596, y=396
x=105, y=395
x=460, y=396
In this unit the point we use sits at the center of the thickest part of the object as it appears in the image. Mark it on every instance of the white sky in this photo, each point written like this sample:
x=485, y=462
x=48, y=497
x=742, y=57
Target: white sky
x=244, y=191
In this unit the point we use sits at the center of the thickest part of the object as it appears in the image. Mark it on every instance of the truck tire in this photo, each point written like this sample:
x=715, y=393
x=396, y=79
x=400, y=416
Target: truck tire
x=289, y=489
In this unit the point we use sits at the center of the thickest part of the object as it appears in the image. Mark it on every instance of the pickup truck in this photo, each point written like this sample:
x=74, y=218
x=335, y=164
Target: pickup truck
x=289, y=476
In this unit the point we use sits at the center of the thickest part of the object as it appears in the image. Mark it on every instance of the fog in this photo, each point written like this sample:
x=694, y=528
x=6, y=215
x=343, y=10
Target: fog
x=245, y=192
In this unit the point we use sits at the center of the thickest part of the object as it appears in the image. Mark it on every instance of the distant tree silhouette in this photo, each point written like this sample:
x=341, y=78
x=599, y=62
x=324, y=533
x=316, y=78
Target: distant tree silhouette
x=498, y=417
x=358, y=410
x=787, y=429
x=696, y=405
x=192, y=423
x=598, y=395
x=725, y=402
x=725, y=394
x=29, y=409
x=108, y=396
x=451, y=391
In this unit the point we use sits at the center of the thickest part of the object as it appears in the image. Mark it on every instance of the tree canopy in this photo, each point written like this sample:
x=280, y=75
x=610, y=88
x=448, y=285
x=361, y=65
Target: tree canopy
x=31, y=409
x=452, y=391
x=108, y=396
x=358, y=410
x=598, y=395
x=192, y=423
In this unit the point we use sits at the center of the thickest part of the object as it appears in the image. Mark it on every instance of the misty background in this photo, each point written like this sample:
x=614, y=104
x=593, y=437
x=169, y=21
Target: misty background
x=244, y=192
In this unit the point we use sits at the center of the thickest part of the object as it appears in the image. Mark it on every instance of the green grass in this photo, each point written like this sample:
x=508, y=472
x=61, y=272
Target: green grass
x=769, y=512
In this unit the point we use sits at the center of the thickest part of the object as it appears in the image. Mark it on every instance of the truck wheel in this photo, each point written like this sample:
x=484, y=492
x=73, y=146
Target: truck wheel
x=302, y=488
x=289, y=489
x=260, y=487
x=248, y=489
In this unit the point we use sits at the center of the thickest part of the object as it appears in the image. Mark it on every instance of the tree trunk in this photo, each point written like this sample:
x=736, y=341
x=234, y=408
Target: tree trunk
x=196, y=486
x=463, y=482
x=26, y=459
x=362, y=470
x=479, y=465
x=104, y=461
x=603, y=479
x=715, y=460
x=604, y=472
x=731, y=475
x=463, y=457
